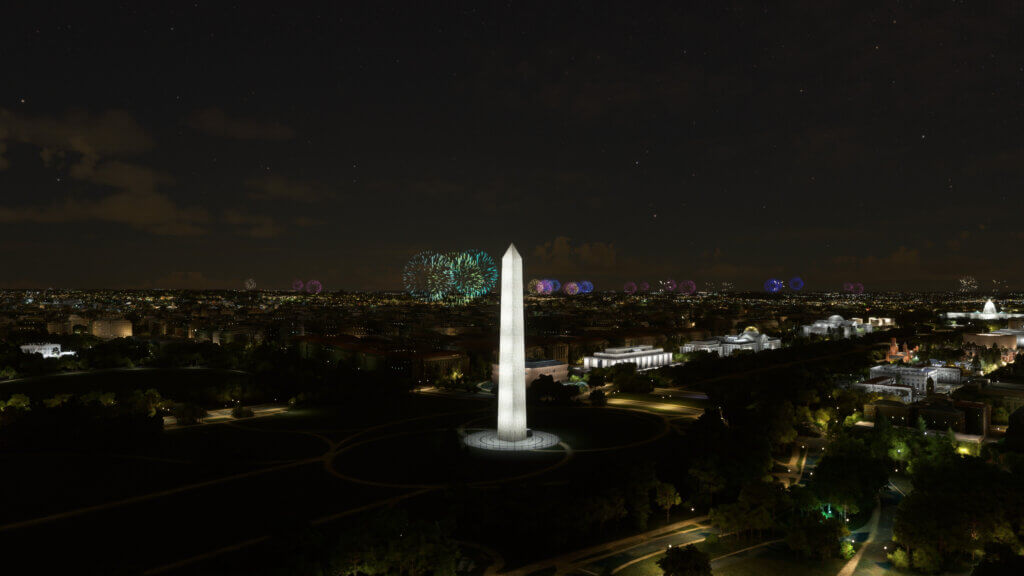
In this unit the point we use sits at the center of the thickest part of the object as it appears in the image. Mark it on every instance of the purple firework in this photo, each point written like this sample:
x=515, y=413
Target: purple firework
x=571, y=288
x=772, y=285
x=555, y=285
x=629, y=287
x=586, y=287
x=314, y=287
x=297, y=285
x=858, y=288
x=688, y=286
x=643, y=287
x=847, y=286
x=546, y=286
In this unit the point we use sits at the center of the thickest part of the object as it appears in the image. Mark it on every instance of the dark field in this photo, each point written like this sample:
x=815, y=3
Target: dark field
x=217, y=498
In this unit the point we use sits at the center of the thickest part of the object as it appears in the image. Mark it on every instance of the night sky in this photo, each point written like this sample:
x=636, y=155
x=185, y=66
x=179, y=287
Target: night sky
x=195, y=146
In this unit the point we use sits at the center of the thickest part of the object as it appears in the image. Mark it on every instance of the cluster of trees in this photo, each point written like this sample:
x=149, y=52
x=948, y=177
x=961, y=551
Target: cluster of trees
x=544, y=390
x=88, y=421
x=1011, y=371
x=962, y=507
x=387, y=543
x=688, y=561
x=597, y=499
x=958, y=510
x=799, y=514
x=626, y=378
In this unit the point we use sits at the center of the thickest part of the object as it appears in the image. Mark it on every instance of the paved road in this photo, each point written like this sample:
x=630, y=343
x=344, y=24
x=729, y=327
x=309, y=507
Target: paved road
x=654, y=547
x=222, y=415
x=623, y=550
x=873, y=560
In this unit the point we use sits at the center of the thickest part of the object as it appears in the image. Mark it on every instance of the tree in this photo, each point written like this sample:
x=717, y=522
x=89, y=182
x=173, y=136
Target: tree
x=636, y=383
x=1015, y=433
x=848, y=476
x=545, y=389
x=709, y=478
x=1000, y=560
x=687, y=561
x=667, y=497
x=187, y=414
x=598, y=398
x=926, y=559
x=816, y=537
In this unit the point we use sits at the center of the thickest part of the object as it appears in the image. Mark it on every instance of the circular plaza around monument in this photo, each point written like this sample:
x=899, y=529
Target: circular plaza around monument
x=488, y=440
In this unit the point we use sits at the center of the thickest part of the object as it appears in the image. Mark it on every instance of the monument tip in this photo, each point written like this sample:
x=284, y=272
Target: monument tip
x=512, y=250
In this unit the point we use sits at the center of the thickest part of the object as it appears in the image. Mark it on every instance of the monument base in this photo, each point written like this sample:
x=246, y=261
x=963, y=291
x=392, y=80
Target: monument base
x=488, y=440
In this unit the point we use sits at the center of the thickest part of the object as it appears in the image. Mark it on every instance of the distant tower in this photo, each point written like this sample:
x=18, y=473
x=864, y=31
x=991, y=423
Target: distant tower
x=512, y=351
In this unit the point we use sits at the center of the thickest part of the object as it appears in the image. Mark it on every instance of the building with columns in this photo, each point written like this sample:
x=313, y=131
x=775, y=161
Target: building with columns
x=645, y=357
x=923, y=379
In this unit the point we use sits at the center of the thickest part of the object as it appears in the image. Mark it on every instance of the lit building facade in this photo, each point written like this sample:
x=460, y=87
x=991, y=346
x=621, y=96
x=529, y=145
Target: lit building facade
x=644, y=357
x=837, y=327
x=1005, y=339
x=924, y=380
x=905, y=355
x=46, y=350
x=724, y=346
x=887, y=385
x=108, y=328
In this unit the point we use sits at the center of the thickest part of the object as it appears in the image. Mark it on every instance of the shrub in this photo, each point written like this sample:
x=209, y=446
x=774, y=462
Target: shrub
x=187, y=414
x=900, y=559
x=927, y=560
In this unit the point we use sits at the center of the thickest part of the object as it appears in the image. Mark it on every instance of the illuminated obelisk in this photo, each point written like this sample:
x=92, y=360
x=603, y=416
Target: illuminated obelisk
x=512, y=351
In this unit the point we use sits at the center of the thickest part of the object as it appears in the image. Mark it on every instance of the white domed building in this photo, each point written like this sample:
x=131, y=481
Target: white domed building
x=836, y=326
x=988, y=312
x=724, y=346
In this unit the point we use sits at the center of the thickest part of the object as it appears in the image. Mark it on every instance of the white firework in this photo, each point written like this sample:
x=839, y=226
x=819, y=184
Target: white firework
x=967, y=284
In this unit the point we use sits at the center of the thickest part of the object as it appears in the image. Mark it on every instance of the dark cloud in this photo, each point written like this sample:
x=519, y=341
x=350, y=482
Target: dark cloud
x=92, y=136
x=191, y=280
x=253, y=225
x=586, y=257
x=85, y=145
x=280, y=188
x=216, y=122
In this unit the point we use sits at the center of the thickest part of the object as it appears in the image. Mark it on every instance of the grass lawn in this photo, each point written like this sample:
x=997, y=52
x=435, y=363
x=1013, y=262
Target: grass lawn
x=664, y=399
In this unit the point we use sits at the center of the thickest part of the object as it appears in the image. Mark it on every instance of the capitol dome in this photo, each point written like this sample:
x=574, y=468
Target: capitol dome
x=989, y=308
x=835, y=318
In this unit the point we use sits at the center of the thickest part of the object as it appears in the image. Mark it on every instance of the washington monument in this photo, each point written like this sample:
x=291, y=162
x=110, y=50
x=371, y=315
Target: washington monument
x=512, y=351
